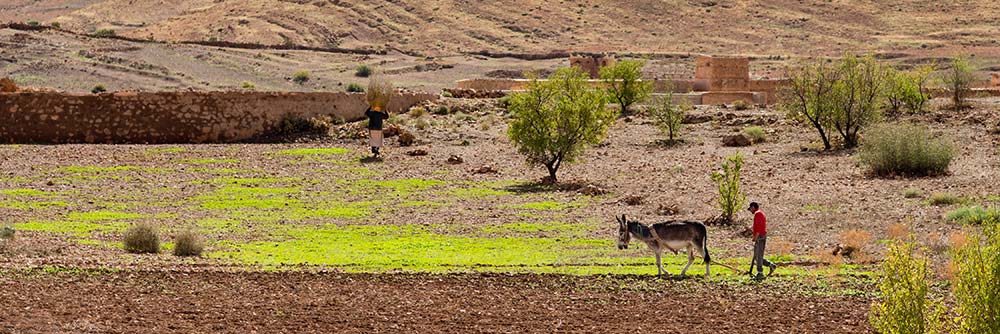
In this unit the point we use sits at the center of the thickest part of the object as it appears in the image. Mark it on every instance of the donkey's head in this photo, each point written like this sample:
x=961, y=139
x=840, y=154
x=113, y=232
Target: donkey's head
x=623, y=235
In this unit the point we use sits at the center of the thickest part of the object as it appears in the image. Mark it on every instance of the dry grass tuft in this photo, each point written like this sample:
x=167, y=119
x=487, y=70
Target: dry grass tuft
x=781, y=246
x=858, y=240
x=898, y=231
x=188, y=243
x=141, y=238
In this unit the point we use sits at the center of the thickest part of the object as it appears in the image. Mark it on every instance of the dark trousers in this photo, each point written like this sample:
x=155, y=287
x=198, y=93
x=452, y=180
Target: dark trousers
x=758, y=254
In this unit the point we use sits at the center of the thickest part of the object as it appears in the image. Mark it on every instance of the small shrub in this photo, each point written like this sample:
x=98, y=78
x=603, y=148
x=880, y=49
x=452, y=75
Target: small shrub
x=756, y=134
x=975, y=215
x=741, y=105
x=912, y=193
x=978, y=280
x=141, y=238
x=300, y=77
x=188, y=243
x=668, y=116
x=6, y=233
x=907, y=150
x=943, y=199
x=958, y=79
x=898, y=231
x=858, y=240
x=421, y=124
x=34, y=23
x=442, y=110
x=355, y=88
x=98, y=89
x=248, y=85
x=906, y=89
x=363, y=71
x=56, y=25
x=731, y=198
x=447, y=94
x=104, y=33
x=504, y=101
x=418, y=111
x=903, y=306
x=292, y=124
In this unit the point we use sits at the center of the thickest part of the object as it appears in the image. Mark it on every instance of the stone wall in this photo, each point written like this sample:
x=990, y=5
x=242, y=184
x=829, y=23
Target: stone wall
x=170, y=117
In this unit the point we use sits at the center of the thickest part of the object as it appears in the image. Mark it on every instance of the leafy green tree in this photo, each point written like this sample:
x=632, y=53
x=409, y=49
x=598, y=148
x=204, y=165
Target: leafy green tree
x=668, y=115
x=858, y=96
x=906, y=89
x=555, y=120
x=624, y=84
x=958, y=80
x=809, y=97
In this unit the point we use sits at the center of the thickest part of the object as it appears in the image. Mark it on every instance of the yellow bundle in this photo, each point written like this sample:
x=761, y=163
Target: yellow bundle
x=379, y=92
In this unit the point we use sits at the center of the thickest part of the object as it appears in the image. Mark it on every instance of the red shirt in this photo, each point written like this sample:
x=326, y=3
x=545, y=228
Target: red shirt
x=759, y=223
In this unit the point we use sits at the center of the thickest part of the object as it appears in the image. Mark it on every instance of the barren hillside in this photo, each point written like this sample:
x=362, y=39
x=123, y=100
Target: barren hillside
x=436, y=27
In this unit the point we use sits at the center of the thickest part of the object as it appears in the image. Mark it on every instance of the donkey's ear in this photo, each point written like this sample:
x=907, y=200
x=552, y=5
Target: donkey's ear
x=618, y=219
x=623, y=219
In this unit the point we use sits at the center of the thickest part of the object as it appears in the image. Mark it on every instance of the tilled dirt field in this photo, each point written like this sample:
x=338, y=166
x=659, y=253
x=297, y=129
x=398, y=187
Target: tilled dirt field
x=228, y=302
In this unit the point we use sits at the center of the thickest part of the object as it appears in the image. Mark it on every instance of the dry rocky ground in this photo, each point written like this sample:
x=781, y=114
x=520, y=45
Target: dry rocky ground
x=424, y=203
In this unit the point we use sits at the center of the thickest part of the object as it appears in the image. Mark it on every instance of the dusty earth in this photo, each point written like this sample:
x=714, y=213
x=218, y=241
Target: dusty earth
x=224, y=302
x=811, y=198
x=428, y=45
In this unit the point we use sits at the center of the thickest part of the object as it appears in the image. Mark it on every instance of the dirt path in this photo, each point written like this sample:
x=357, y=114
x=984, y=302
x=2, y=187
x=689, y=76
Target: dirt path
x=221, y=302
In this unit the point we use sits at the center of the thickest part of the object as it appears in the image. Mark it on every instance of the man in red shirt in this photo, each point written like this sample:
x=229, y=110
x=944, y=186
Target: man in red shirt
x=759, y=241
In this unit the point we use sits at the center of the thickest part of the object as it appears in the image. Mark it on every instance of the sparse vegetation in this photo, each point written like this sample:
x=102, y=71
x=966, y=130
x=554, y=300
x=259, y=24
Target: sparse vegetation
x=355, y=88
x=300, y=77
x=248, y=85
x=905, y=149
x=912, y=193
x=98, y=89
x=104, y=33
x=442, y=110
x=978, y=280
x=741, y=105
x=668, y=115
x=958, y=80
x=731, y=197
x=903, y=306
x=756, y=134
x=943, y=199
x=417, y=111
x=363, y=71
x=141, y=238
x=554, y=121
x=907, y=89
x=624, y=83
x=292, y=124
x=974, y=215
x=188, y=243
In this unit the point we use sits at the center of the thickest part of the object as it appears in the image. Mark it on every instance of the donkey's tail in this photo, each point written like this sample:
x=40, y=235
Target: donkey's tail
x=704, y=244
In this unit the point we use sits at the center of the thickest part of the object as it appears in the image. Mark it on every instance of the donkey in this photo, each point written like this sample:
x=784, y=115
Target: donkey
x=669, y=235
